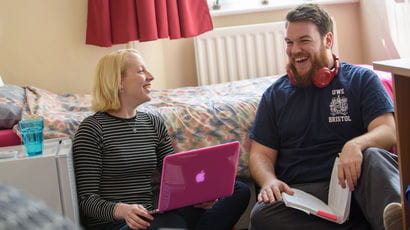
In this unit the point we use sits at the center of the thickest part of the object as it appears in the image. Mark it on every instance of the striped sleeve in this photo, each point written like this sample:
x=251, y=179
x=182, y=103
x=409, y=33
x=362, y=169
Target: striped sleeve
x=87, y=157
x=164, y=145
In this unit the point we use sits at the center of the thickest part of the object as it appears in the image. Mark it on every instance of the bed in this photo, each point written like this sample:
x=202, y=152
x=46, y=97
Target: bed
x=195, y=116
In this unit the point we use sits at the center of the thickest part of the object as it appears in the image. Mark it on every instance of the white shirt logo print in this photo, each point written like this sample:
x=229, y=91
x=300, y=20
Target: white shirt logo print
x=339, y=107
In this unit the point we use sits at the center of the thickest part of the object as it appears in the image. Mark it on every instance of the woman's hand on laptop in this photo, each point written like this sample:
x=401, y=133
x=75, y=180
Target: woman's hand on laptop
x=207, y=204
x=135, y=215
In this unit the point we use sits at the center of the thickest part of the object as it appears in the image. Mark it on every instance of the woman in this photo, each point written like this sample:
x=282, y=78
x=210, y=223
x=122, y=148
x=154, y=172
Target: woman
x=117, y=149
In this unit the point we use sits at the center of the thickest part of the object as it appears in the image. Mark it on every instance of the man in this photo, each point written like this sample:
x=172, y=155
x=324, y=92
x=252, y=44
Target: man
x=321, y=109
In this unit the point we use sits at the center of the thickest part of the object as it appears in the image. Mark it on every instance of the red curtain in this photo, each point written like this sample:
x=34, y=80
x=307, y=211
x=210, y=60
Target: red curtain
x=120, y=21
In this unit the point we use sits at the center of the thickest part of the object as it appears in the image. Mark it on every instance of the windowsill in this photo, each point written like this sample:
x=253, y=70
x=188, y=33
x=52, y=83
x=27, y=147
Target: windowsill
x=256, y=6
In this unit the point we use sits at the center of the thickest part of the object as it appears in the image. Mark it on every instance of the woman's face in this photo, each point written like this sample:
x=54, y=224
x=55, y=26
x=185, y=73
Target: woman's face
x=136, y=81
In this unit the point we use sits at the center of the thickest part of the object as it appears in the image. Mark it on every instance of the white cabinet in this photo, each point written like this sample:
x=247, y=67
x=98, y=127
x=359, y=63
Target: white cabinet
x=48, y=177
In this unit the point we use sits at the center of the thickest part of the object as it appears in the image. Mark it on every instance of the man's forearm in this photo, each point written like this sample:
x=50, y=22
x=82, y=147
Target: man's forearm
x=382, y=136
x=261, y=168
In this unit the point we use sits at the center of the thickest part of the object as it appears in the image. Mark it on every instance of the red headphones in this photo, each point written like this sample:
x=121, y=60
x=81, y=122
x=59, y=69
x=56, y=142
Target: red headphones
x=323, y=76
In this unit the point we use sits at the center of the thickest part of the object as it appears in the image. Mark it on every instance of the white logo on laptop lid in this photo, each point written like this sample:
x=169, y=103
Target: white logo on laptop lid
x=200, y=177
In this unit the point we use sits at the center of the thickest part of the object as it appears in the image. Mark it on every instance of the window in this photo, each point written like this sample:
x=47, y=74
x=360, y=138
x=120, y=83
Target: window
x=397, y=13
x=228, y=7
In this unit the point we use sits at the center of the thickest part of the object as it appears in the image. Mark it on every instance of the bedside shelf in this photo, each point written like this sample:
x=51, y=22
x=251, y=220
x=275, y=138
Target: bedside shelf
x=400, y=68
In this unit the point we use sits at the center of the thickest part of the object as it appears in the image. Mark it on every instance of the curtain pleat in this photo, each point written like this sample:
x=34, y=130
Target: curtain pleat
x=124, y=26
x=98, y=23
x=173, y=19
x=162, y=18
x=112, y=22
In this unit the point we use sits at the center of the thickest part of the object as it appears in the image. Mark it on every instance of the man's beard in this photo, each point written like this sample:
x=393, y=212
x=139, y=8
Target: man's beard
x=318, y=62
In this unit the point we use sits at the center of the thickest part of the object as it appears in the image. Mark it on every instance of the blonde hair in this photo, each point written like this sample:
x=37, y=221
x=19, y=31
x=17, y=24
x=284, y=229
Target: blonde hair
x=107, y=80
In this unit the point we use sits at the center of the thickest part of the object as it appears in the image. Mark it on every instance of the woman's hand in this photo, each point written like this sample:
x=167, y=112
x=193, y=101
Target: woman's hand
x=271, y=192
x=207, y=204
x=135, y=215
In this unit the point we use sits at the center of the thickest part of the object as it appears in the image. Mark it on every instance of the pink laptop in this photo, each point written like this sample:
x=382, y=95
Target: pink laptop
x=197, y=176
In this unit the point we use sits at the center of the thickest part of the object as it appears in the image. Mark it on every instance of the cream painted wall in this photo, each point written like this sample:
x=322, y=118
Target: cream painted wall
x=44, y=45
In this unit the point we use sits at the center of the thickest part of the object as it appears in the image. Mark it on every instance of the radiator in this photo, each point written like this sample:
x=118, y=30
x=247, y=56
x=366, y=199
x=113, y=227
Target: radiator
x=240, y=52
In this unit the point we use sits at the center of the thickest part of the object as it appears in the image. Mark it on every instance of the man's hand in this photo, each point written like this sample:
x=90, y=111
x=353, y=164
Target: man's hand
x=271, y=192
x=350, y=165
x=135, y=215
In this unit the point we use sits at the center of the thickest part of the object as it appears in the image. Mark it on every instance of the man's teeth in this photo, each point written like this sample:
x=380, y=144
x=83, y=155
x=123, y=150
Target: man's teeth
x=300, y=59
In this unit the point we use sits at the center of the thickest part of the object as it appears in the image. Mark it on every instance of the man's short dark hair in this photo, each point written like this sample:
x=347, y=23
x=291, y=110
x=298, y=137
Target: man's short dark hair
x=312, y=13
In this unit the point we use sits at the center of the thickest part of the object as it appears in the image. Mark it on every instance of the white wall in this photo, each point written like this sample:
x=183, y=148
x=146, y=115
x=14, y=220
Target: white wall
x=43, y=44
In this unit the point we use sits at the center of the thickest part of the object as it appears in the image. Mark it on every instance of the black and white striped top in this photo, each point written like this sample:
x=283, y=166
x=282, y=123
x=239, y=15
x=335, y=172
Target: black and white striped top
x=114, y=159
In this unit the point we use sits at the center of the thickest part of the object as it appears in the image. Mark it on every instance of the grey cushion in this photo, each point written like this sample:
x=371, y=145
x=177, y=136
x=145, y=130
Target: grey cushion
x=11, y=105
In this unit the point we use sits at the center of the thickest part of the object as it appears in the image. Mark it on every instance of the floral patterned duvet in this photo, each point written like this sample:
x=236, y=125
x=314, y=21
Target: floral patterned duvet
x=195, y=116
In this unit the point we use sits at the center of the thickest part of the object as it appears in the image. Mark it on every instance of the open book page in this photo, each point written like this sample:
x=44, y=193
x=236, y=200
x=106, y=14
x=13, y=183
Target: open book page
x=338, y=198
x=305, y=202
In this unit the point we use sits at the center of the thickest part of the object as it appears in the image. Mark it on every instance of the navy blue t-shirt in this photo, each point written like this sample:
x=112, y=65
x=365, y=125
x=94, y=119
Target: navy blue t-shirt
x=309, y=126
